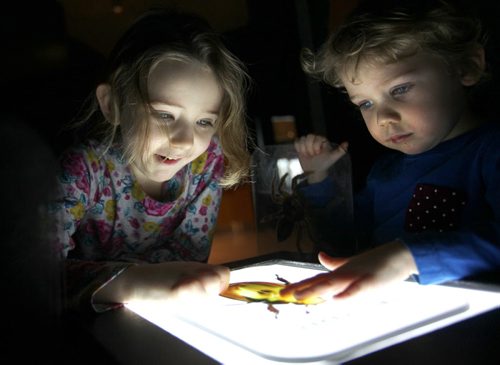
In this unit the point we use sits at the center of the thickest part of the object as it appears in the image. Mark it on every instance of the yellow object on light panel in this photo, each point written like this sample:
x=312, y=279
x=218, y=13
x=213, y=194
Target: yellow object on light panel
x=255, y=291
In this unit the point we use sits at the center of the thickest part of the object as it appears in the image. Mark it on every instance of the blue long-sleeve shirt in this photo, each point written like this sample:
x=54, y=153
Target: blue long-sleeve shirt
x=444, y=204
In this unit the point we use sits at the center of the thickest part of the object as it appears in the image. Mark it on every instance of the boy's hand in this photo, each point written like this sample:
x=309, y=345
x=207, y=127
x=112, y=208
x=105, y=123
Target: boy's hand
x=316, y=155
x=357, y=275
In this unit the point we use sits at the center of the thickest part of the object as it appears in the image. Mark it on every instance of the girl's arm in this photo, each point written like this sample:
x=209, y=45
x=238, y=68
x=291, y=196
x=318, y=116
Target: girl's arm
x=168, y=281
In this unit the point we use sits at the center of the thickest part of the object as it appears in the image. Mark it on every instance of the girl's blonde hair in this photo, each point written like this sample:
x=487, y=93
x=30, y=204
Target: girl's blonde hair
x=162, y=35
x=380, y=37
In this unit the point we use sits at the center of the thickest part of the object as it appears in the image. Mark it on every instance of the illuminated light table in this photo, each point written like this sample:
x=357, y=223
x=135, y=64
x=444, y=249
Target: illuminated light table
x=234, y=332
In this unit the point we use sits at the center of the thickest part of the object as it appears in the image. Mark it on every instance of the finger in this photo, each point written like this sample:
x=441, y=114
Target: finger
x=187, y=289
x=327, y=287
x=306, y=144
x=203, y=281
x=300, y=146
x=300, y=285
x=223, y=272
x=344, y=145
x=351, y=291
x=314, y=144
x=361, y=287
x=321, y=145
x=337, y=153
x=214, y=279
x=324, y=285
x=331, y=263
x=185, y=283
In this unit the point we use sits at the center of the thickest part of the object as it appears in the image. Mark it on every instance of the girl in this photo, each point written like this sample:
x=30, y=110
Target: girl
x=170, y=118
x=432, y=206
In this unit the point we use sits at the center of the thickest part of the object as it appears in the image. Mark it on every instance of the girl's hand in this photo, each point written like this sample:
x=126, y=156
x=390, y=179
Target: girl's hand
x=168, y=281
x=357, y=275
x=204, y=281
x=316, y=155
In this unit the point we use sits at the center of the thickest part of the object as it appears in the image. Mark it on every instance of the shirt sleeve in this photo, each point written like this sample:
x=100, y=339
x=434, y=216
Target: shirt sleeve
x=82, y=278
x=455, y=255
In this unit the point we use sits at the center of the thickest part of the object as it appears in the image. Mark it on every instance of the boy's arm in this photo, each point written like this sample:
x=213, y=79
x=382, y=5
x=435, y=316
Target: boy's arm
x=327, y=200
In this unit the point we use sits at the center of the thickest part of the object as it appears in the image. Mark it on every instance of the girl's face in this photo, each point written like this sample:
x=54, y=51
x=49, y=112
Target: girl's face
x=186, y=98
x=412, y=105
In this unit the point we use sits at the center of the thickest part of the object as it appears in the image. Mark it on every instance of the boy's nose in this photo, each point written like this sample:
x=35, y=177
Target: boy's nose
x=387, y=115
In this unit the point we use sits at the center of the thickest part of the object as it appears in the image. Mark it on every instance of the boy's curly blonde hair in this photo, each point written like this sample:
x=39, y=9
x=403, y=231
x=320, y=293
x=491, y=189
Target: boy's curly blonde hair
x=379, y=37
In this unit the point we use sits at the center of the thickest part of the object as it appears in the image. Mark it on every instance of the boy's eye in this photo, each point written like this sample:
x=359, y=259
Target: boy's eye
x=365, y=105
x=401, y=90
x=205, y=123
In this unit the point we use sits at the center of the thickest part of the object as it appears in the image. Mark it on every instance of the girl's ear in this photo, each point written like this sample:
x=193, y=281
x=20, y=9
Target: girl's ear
x=103, y=93
x=472, y=76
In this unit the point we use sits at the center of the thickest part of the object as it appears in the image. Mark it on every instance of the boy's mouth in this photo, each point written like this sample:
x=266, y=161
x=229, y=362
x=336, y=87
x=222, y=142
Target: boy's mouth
x=398, y=138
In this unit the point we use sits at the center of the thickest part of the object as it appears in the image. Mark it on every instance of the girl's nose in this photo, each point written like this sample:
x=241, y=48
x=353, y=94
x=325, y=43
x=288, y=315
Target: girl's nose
x=180, y=136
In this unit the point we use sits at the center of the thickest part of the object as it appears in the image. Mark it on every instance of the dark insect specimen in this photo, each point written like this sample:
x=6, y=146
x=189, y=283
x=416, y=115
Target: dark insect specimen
x=291, y=212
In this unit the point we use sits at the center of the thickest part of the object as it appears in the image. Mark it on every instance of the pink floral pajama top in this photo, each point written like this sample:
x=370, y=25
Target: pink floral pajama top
x=109, y=223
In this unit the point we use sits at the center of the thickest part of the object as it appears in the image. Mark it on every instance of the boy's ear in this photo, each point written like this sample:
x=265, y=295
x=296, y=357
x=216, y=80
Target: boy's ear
x=103, y=93
x=471, y=77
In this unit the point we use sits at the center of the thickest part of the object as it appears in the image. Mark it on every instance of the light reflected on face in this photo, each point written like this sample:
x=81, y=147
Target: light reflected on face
x=410, y=106
x=185, y=102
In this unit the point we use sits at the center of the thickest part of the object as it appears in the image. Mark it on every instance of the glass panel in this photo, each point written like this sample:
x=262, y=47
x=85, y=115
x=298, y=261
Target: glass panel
x=284, y=220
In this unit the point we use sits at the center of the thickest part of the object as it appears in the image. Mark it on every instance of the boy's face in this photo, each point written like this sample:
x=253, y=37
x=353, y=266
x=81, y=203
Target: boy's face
x=412, y=105
x=186, y=98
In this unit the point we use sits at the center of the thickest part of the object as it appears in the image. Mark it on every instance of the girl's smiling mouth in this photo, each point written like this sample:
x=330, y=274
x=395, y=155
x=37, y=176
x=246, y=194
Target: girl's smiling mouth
x=166, y=160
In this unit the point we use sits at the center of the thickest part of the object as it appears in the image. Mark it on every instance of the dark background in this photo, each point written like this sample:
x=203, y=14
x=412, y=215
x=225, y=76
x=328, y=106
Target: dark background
x=54, y=50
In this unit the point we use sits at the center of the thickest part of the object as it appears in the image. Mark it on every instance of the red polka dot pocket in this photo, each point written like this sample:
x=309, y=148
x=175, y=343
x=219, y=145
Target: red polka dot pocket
x=434, y=208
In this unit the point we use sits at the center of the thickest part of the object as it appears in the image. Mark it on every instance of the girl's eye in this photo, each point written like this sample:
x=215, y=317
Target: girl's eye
x=165, y=116
x=205, y=123
x=401, y=90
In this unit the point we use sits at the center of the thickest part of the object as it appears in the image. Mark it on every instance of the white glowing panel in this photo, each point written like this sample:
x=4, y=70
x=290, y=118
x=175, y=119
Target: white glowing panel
x=233, y=331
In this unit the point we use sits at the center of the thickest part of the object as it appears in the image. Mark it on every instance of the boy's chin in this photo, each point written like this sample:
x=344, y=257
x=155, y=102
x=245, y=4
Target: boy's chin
x=408, y=150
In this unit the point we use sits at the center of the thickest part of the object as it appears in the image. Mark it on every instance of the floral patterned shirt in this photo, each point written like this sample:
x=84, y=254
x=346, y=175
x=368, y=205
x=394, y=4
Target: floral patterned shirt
x=109, y=223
